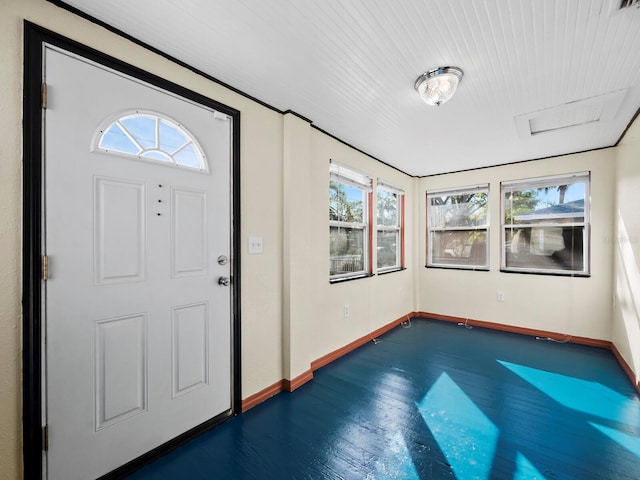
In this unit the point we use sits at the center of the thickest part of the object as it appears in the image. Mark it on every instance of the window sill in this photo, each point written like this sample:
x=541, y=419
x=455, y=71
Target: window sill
x=457, y=267
x=348, y=279
x=384, y=272
x=554, y=273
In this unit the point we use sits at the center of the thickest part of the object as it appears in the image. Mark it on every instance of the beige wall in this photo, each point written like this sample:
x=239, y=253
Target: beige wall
x=261, y=198
x=374, y=301
x=574, y=306
x=313, y=308
x=10, y=238
x=291, y=314
x=626, y=308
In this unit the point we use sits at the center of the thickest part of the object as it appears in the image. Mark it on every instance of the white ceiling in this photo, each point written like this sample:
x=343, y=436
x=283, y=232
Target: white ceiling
x=349, y=66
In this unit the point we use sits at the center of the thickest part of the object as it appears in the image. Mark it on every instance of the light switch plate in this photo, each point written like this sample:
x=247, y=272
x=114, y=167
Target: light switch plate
x=256, y=244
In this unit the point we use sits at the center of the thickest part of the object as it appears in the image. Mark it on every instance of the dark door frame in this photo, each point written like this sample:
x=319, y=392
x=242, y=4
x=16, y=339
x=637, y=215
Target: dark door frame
x=32, y=245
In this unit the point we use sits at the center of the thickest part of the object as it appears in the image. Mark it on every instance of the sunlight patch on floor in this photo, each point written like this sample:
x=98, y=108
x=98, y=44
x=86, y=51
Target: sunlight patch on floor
x=465, y=435
x=584, y=396
x=630, y=442
x=396, y=462
x=525, y=470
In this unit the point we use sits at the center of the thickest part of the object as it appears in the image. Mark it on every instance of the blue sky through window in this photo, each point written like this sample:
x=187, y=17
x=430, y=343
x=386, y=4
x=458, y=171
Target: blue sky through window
x=149, y=136
x=115, y=139
x=574, y=191
x=142, y=128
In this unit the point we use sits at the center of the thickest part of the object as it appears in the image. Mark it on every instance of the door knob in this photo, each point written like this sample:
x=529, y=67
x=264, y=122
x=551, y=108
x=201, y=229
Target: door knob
x=224, y=281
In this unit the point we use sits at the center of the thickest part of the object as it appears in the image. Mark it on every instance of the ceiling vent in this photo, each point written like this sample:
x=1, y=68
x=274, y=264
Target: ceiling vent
x=629, y=3
x=588, y=111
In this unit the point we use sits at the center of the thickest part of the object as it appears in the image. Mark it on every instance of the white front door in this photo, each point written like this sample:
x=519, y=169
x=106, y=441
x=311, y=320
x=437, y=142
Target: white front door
x=138, y=328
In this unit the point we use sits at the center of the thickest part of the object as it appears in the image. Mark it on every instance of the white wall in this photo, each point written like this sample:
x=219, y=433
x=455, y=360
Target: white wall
x=574, y=306
x=626, y=312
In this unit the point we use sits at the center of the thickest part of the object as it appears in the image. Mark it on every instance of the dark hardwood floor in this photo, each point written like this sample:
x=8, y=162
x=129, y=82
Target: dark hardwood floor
x=434, y=401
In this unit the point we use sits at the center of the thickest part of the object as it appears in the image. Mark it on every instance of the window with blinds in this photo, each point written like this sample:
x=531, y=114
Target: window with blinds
x=350, y=195
x=545, y=225
x=390, y=223
x=458, y=228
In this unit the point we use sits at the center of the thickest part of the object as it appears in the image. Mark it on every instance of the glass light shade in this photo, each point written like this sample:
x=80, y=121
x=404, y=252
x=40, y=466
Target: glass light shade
x=438, y=86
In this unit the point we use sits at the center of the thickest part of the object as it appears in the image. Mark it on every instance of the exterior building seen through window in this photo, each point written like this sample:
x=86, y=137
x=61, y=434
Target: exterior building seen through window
x=546, y=225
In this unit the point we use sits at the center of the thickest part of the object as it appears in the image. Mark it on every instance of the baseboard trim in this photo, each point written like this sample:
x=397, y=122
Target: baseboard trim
x=626, y=367
x=591, y=342
x=297, y=382
x=336, y=354
x=262, y=395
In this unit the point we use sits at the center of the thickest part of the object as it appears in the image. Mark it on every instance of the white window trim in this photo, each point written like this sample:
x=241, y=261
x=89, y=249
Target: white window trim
x=543, y=182
x=117, y=119
x=382, y=185
x=486, y=227
x=354, y=178
x=350, y=176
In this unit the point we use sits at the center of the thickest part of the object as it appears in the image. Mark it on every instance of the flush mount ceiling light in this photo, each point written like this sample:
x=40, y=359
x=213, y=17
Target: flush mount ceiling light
x=438, y=85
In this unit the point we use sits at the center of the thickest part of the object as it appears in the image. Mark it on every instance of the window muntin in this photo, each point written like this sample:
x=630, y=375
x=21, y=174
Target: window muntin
x=389, y=227
x=546, y=225
x=154, y=137
x=458, y=228
x=349, y=232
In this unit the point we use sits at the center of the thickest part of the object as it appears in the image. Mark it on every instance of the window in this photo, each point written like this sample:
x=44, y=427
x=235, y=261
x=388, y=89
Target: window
x=390, y=239
x=349, y=219
x=546, y=224
x=150, y=136
x=458, y=228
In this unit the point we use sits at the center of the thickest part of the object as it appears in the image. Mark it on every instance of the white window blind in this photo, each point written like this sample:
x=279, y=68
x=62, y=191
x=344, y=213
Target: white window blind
x=349, y=176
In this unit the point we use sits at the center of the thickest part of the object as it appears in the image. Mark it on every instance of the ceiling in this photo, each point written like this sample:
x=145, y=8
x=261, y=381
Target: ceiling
x=541, y=78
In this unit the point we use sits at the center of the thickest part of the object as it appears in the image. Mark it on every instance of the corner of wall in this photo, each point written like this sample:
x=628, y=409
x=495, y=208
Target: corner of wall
x=625, y=330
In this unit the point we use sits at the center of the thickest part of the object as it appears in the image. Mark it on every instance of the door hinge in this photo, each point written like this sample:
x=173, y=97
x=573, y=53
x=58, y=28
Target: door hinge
x=43, y=96
x=45, y=268
x=45, y=438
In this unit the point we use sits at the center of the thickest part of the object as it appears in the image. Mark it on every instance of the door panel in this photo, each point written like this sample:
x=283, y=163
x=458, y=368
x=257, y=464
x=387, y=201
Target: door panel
x=188, y=233
x=190, y=350
x=121, y=370
x=119, y=230
x=138, y=330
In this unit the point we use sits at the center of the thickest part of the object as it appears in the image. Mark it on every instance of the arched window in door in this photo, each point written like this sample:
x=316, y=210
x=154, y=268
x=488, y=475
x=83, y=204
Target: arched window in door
x=154, y=137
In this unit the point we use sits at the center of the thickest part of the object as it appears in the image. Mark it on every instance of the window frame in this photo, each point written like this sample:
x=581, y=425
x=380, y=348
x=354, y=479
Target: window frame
x=356, y=179
x=399, y=227
x=551, y=181
x=485, y=227
x=144, y=153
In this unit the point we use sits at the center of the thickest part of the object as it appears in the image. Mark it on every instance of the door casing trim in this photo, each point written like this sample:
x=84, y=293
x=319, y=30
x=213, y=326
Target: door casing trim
x=32, y=245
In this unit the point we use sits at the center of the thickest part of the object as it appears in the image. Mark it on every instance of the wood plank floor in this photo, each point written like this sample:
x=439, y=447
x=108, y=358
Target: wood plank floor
x=434, y=401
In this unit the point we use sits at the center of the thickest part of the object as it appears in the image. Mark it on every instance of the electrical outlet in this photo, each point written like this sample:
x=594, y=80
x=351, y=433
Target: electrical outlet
x=500, y=296
x=345, y=311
